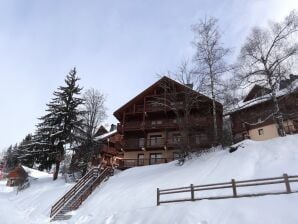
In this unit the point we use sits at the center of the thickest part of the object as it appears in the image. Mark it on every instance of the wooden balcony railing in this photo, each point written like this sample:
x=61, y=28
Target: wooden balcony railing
x=129, y=163
x=155, y=142
x=162, y=123
x=160, y=142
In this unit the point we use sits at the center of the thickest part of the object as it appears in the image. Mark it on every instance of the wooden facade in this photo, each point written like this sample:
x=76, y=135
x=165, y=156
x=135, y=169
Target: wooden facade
x=151, y=132
x=17, y=177
x=255, y=121
x=107, y=153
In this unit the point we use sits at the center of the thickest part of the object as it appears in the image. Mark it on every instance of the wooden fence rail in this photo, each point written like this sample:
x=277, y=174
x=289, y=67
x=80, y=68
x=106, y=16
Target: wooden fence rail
x=233, y=184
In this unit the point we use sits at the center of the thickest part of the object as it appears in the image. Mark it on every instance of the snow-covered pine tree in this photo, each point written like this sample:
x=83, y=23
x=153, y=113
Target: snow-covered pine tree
x=10, y=158
x=25, y=148
x=57, y=129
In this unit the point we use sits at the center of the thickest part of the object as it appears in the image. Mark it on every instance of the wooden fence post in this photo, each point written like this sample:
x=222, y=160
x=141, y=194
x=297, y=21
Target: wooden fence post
x=286, y=179
x=192, y=192
x=234, y=188
x=158, y=197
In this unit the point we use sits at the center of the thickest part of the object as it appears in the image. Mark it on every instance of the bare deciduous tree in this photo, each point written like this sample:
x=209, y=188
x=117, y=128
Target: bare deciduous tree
x=265, y=59
x=181, y=101
x=210, y=61
x=95, y=112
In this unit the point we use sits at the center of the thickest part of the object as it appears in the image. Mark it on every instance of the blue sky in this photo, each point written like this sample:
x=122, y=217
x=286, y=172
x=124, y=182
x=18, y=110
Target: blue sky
x=118, y=47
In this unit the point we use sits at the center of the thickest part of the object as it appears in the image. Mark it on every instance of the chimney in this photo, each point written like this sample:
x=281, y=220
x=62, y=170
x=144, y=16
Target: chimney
x=113, y=127
x=189, y=85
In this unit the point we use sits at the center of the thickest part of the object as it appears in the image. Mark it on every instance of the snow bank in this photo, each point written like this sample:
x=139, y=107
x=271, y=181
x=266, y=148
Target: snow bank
x=130, y=196
x=32, y=205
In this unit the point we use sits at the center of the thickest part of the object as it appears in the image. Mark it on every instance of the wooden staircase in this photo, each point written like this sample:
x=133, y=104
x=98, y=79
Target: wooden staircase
x=78, y=193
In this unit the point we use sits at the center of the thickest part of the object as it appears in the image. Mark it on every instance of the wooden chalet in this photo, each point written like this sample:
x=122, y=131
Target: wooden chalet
x=106, y=154
x=253, y=118
x=17, y=177
x=150, y=131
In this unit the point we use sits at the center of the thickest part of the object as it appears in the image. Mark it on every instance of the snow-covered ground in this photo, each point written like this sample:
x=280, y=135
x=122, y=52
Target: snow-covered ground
x=130, y=196
x=33, y=204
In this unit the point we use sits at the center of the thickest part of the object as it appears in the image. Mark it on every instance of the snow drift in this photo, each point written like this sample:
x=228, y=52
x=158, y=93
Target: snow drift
x=130, y=196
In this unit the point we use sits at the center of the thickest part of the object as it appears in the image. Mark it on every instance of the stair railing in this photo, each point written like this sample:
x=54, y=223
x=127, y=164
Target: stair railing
x=103, y=175
x=59, y=204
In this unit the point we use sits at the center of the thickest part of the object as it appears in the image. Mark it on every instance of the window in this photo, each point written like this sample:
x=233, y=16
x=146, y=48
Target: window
x=201, y=138
x=141, y=159
x=176, y=138
x=177, y=103
x=155, y=158
x=155, y=140
x=158, y=122
x=141, y=142
x=261, y=131
x=176, y=155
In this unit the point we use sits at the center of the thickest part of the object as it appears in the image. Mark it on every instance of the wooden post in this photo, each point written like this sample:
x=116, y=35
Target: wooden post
x=234, y=188
x=288, y=187
x=192, y=192
x=158, y=197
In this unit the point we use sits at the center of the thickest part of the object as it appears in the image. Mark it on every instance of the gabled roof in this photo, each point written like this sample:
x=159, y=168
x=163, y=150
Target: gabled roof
x=254, y=90
x=106, y=135
x=100, y=131
x=151, y=89
x=255, y=101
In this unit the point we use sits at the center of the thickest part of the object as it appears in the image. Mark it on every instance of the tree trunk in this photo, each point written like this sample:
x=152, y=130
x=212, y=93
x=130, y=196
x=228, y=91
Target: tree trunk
x=55, y=175
x=278, y=117
x=215, y=134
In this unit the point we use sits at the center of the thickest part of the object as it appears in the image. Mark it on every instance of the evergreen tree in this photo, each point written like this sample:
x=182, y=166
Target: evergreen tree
x=10, y=158
x=25, y=149
x=57, y=129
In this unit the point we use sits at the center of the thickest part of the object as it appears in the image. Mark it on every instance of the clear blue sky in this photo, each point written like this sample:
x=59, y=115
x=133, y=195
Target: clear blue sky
x=118, y=47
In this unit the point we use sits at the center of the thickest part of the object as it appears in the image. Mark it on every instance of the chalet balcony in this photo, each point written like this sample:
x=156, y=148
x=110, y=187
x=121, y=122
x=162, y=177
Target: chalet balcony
x=129, y=163
x=155, y=142
x=203, y=122
x=161, y=142
x=137, y=143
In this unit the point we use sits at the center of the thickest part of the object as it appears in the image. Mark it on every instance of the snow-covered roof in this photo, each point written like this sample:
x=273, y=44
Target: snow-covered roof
x=242, y=105
x=106, y=135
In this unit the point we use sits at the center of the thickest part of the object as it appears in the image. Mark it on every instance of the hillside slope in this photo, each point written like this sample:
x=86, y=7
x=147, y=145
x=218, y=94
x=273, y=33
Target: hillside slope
x=130, y=196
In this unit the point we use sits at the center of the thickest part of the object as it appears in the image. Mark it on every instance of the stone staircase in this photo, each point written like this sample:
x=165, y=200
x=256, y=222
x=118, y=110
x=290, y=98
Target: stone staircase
x=78, y=193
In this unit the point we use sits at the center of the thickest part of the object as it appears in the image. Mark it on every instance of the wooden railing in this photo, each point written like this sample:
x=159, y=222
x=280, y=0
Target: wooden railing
x=233, y=185
x=168, y=123
x=129, y=163
x=103, y=175
x=78, y=186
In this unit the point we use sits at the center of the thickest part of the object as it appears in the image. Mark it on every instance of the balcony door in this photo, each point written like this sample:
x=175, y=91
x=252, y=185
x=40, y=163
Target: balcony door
x=155, y=158
x=141, y=159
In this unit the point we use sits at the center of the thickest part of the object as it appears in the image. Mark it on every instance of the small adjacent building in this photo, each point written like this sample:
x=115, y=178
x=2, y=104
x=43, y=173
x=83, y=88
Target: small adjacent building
x=253, y=117
x=108, y=141
x=150, y=130
x=17, y=177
